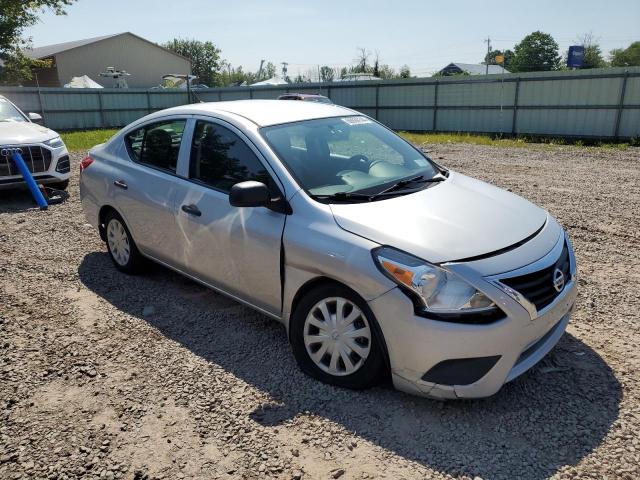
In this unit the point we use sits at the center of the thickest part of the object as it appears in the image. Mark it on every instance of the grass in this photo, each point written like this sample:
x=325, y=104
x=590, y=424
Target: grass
x=511, y=142
x=85, y=139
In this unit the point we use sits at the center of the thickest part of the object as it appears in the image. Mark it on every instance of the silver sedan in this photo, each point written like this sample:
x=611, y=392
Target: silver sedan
x=379, y=261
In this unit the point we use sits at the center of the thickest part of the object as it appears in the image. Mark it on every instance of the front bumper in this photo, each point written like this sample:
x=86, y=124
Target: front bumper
x=416, y=344
x=58, y=169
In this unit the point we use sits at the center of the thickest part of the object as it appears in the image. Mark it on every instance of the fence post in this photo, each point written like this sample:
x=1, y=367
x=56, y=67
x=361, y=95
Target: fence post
x=377, y=101
x=515, y=107
x=435, y=106
x=148, y=102
x=616, y=132
x=102, y=124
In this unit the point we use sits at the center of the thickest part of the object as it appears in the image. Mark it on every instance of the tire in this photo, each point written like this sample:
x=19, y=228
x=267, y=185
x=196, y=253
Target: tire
x=365, y=369
x=63, y=185
x=122, y=249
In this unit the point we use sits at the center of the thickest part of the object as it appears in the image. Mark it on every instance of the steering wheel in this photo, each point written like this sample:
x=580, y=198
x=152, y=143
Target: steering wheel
x=359, y=162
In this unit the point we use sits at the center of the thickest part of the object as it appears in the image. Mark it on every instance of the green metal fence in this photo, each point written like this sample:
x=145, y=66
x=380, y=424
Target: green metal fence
x=600, y=103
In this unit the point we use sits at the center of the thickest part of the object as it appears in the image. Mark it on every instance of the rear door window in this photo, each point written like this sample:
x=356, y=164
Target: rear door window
x=157, y=145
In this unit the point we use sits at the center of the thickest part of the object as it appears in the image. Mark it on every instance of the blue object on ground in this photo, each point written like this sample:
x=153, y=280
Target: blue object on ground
x=28, y=178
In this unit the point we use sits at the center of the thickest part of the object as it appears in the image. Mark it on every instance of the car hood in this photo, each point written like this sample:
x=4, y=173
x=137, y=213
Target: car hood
x=12, y=133
x=453, y=220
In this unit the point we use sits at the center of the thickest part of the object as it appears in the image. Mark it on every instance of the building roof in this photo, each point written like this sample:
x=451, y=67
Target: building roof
x=275, y=80
x=477, y=68
x=50, y=50
x=263, y=112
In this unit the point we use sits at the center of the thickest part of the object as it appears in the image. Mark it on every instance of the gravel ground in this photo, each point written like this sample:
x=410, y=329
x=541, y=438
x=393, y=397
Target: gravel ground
x=108, y=376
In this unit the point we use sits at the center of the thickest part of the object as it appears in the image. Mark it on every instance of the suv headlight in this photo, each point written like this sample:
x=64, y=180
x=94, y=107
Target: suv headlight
x=55, y=142
x=436, y=289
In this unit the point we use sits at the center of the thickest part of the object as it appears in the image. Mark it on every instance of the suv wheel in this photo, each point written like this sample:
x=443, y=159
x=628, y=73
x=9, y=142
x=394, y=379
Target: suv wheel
x=122, y=249
x=335, y=338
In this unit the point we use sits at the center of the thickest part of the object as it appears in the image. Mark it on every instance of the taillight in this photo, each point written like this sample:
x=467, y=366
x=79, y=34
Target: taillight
x=84, y=164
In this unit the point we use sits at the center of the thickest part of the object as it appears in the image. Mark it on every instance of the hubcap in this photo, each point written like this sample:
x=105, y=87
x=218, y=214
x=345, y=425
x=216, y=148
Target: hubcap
x=337, y=336
x=118, y=242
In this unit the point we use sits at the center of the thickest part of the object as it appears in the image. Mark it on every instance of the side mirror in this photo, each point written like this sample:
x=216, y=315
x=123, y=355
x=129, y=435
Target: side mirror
x=249, y=194
x=34, y=117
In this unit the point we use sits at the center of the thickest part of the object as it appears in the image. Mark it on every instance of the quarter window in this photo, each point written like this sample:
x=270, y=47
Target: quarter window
x=157, y=145
x=220, y=159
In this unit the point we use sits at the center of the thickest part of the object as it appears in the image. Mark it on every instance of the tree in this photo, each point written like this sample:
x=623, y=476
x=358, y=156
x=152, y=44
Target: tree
x=300, y=79
x=204, y=56
x=15, y=17
x=405, y=72
x=386, y=72
x=592, y=53
x=537, y=51
x=269, y=70
x=327, y=74
x=626, y=57
x=490, y=57
x=361, y=61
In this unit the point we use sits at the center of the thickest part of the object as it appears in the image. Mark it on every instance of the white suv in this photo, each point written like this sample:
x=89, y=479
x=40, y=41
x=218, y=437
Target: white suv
x=42, y=149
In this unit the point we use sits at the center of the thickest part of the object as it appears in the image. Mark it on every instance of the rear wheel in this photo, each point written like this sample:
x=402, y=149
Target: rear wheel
x=122, y=249
x=335, y=338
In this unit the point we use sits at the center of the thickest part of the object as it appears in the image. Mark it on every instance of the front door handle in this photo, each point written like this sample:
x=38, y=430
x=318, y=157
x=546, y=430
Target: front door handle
x=121, y=184
x=191, y=210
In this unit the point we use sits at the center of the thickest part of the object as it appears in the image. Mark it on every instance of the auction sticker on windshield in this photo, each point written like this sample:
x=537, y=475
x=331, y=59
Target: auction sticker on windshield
x=356, y=120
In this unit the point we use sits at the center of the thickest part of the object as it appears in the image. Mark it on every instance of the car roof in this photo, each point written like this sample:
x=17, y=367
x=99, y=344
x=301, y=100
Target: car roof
x=264, y=112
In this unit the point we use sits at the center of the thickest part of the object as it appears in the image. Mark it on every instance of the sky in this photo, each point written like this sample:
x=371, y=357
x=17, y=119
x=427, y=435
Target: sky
x=426, y=35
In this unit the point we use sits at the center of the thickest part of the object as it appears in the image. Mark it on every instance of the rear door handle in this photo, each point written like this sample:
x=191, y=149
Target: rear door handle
x=121, y=184
x=191, y=210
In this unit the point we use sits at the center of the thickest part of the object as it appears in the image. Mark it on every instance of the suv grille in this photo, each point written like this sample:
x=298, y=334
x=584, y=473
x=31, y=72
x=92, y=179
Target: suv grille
x=38, y=159
x=538, y=287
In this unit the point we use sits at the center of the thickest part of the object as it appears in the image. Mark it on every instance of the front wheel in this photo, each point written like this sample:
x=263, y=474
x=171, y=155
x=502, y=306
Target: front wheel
x=335, y=338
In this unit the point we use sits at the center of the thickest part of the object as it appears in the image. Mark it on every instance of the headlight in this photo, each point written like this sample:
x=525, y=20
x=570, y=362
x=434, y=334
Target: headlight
x=435, y=288
x=54, y=142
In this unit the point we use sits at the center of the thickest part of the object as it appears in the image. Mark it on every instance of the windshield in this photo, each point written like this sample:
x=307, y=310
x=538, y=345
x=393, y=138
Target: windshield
x=9, y=113
x=341, y=155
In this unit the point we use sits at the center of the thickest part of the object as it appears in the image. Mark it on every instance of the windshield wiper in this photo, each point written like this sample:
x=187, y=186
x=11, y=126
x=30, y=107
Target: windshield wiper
x=344, y=196
x=407, y=181
x=383, y=193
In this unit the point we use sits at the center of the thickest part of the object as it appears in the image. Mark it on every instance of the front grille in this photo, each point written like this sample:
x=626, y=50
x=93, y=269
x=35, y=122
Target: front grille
x=38, y=159
x=538, y=287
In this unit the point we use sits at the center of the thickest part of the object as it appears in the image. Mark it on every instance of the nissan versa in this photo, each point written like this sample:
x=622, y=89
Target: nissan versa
x=375, y=258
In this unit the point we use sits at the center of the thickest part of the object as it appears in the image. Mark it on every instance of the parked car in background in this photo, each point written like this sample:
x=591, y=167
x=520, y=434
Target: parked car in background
x=305, y=97
x=42, y=149
x=377, y=260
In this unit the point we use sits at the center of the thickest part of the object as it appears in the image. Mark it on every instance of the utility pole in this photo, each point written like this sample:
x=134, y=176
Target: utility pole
x=260, y=70
x=486, y=60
